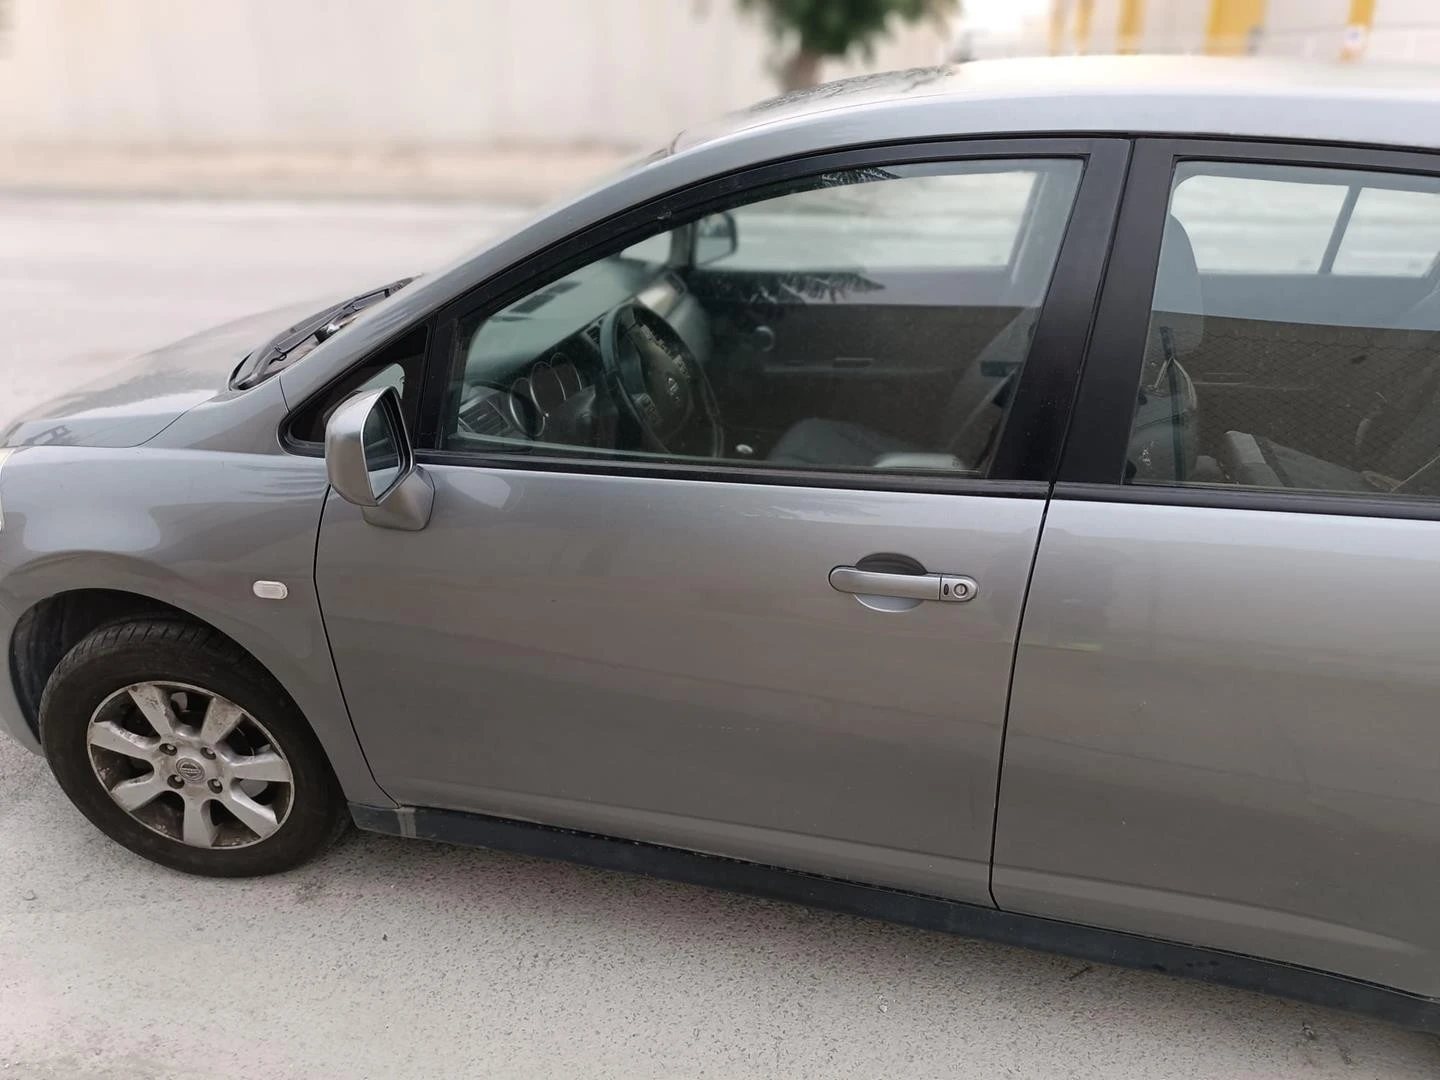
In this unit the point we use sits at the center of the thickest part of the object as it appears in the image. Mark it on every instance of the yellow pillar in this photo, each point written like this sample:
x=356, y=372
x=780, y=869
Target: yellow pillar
x=1084, y=14
x=1132, y=25
x=1232, y=26
x=1357, y=29
x=1057, y=25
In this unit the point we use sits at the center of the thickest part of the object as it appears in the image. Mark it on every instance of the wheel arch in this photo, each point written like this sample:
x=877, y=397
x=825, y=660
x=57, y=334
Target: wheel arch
x=51, y=627
x=53, y=621
x=186, y=530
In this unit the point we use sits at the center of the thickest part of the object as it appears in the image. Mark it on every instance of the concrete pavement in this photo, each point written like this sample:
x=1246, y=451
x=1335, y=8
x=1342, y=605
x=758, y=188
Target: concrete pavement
x=394, y=958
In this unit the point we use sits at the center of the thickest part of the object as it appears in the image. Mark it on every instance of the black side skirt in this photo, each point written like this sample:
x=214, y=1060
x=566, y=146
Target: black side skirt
x=926, y=912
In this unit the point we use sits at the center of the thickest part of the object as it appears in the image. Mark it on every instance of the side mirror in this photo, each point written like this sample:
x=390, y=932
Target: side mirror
x=371, y=463
x=716, y=236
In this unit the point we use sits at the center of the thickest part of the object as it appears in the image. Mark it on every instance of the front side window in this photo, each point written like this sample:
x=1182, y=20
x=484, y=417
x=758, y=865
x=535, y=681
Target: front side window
x=871, y=319
x=918, y=223
x=1290, y=349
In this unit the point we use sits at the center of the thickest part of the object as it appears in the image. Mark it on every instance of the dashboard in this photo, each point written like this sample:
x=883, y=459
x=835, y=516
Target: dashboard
x=556, y=398
x=546, y=389
x=524, y=408
x=559, y=395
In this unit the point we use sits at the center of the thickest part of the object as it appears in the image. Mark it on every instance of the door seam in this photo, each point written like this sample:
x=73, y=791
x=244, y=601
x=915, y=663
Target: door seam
x=1131, y=149
x=335, y=668
x=1010, y=693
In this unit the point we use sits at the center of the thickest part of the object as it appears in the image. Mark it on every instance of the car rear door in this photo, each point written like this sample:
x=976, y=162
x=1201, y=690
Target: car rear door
x=660, y=649
x=1223, y=729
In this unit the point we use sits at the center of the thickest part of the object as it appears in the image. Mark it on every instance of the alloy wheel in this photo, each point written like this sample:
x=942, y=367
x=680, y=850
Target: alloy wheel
x=190, y=765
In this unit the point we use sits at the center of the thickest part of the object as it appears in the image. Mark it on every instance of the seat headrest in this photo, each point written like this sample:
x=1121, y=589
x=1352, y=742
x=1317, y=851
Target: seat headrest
x=1177, y=288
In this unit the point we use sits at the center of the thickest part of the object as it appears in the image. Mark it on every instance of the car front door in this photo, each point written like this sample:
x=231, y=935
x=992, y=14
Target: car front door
x=1223, y=729
x=602, y=630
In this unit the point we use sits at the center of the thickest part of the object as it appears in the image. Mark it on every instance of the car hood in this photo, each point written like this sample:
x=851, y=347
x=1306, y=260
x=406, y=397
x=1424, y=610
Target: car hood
x=143, y=396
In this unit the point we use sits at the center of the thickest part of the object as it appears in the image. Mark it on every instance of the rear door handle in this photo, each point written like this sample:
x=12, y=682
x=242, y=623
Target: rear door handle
x=954, y=588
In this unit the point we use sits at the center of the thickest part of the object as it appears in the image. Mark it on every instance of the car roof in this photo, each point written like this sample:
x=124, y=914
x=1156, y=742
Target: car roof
x=1180, y=95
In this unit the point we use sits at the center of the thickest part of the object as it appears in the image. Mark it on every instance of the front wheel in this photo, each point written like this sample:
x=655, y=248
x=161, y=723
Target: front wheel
x=176, y=743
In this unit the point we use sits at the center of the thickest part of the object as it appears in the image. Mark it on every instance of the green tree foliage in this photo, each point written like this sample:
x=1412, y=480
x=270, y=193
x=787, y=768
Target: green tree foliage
x=820, y=28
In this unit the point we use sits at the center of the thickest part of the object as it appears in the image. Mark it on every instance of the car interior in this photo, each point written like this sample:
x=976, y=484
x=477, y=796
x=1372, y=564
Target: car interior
x=682, y=347
x=1320, y=378
x=1314, y=380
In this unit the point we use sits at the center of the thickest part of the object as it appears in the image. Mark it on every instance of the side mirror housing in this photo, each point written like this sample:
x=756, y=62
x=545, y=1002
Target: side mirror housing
x=371, y=463
x=716, y=237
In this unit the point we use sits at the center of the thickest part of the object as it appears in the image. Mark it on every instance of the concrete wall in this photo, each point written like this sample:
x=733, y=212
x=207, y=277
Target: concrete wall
x=1405, y=31
x=1173, y=27
x=1165, y=26
x=1308, y=28
x=377, y=72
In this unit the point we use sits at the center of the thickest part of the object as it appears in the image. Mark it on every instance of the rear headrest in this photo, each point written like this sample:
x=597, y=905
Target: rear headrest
x=1177, y=288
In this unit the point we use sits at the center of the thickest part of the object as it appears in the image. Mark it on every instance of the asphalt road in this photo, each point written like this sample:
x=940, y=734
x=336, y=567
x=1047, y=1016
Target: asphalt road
x=394, y=958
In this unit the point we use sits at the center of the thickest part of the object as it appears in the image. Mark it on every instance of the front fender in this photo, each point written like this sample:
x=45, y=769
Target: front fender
x=194, y=529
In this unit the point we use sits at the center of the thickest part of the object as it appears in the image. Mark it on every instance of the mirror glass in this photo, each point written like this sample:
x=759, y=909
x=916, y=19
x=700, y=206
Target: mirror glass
x=715, y=238
x=382, y=451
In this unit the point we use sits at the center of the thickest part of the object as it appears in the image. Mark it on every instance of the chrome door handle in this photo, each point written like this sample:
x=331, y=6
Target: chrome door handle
x=954, y=588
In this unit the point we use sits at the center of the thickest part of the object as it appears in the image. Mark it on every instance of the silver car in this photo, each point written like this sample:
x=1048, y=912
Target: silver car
x=1003, y=499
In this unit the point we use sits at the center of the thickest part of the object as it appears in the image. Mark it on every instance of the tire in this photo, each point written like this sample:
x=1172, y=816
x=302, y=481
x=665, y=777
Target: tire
x=111, y=686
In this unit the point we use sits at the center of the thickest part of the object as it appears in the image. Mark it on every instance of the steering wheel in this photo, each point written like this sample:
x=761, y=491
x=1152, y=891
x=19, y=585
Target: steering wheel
x=659, y=383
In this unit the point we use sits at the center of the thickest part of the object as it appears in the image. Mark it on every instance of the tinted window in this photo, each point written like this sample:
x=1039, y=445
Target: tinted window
x=1391, y=232
x=921, y=222
x=1264, y=370
x=1253, y=225
x=869, y=319
x=1255, y=220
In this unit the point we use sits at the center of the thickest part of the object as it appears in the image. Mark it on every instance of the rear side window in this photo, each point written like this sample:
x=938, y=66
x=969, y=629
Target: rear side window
x=1254, y=219
x=1256, y=224
x=1294, y=335
x=1391, y=232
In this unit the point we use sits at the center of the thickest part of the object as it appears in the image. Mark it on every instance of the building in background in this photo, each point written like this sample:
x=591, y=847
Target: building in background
x=1370, y=31
x=511, y=97
x=378, y=73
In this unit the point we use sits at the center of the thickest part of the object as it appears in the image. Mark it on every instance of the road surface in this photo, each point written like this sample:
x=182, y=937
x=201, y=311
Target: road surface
x=393, y=958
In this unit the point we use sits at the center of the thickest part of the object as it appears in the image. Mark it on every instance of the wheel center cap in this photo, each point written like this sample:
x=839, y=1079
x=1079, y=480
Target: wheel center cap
x=190, y=770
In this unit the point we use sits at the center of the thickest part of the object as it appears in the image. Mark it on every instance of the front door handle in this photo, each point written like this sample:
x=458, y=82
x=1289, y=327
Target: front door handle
x=953, y=588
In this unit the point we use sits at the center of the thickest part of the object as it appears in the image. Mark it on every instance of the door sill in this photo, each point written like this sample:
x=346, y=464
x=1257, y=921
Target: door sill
x=926, y=912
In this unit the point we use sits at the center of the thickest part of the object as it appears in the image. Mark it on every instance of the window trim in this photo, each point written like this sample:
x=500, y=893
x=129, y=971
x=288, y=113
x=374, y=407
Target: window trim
x=1270, y=500
x=1093, y=461
x=410, y=401
x=1028, y=451
x=724, y=472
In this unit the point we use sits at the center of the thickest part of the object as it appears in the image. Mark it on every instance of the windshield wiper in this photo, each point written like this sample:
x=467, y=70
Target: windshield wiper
x=289, y=345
